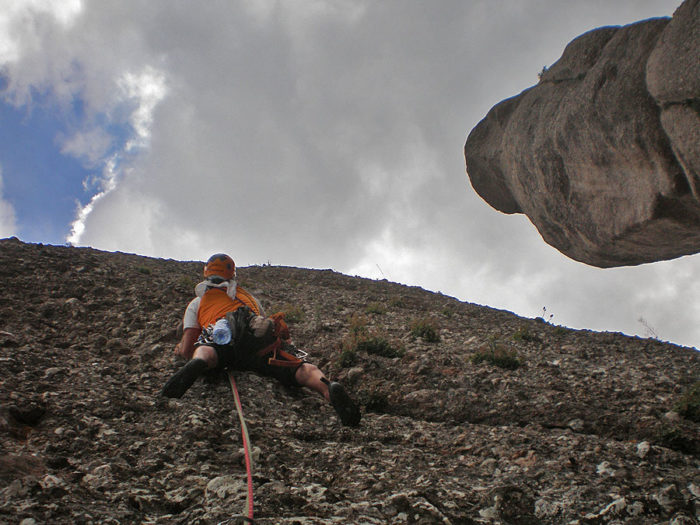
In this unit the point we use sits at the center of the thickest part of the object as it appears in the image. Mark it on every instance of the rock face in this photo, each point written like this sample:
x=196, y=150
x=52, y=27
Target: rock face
x=483, y=418
x=603, y=155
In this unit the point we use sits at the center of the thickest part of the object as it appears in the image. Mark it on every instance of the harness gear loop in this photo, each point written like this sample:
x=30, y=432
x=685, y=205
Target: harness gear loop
x=281, y=357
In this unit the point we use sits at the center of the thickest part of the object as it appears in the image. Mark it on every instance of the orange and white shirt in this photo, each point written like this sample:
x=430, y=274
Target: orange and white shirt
x=214, y=304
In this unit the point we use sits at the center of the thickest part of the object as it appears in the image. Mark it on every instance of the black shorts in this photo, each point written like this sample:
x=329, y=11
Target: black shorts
x=245, y=357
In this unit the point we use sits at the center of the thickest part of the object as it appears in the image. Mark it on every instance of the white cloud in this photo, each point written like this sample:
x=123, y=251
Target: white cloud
x=89, y=145
x=146, y=89
x=8, y=225
x=19, y=19
x=142, y=92
x=28, y=30
x=108, y=183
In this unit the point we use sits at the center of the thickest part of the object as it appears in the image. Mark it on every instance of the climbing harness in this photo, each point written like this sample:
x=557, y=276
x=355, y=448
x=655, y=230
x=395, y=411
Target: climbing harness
x=284, y=353
x=246, y=449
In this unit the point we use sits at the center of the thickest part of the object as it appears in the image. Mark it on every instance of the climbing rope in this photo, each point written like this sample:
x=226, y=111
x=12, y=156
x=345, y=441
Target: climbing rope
x=246, y=449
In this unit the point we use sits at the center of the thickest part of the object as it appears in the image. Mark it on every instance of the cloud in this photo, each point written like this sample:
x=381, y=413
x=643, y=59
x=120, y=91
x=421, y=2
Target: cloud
x=8, y=226
x=26, y=27
x=89, y=145
x=19, y=20
x=141, y=92
x=325, y=134
x=108, y=183
x=58, y=51
x=145, y=90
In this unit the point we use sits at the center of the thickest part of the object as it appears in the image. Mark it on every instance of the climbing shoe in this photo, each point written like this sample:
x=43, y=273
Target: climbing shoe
x=347, y=410
x=184, y=378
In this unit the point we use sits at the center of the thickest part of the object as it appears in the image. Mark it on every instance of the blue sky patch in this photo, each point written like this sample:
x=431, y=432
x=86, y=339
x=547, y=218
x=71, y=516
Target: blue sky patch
x=38, y=180
x=44, y=185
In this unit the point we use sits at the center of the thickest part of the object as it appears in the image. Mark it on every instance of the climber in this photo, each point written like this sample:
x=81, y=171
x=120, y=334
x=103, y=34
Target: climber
x=224, y=328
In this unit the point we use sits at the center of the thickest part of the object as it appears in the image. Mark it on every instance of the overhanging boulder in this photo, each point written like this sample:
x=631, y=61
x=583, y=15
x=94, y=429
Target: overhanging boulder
x=603, y=154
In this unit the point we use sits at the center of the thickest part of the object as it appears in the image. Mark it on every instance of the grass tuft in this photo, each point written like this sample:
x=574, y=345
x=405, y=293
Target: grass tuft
x=292, y=314
x=377, y=345
x=688, y=405
x=425, y=329
x=360, y=339
x=348, y=358
x=497, y=355
x=375, y=308
x=523, y=334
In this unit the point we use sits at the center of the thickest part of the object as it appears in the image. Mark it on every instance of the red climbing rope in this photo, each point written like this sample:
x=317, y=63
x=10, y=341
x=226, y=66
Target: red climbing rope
x=246, y=448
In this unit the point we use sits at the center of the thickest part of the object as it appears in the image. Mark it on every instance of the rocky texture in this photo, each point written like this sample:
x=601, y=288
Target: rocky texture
x=673, y=79
x=603, y=155
x=583, y=431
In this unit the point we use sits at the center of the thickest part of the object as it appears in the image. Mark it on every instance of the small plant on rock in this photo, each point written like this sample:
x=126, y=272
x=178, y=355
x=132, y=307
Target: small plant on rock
x=361, y=339
x=379, y=346
x=375, y=308
x=425, y=329
x=348, y=358
x=397, y=302
x=292, y=314
x=186, y=283
x=498, y=355
x=358, y=324
x=673, y=437
x=544, y=317
x=523, y=334
x=648, y=329
x=374, y=401
x=688, y=405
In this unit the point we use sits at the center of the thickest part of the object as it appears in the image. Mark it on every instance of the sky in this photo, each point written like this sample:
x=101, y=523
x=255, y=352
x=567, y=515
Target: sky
x=316, y=134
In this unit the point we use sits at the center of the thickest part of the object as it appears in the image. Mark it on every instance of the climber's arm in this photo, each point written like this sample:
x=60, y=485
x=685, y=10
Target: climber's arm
x=185, y=347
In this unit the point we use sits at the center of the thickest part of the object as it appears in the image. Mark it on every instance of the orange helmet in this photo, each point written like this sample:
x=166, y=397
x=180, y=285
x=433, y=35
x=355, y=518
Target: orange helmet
x=220, y=265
